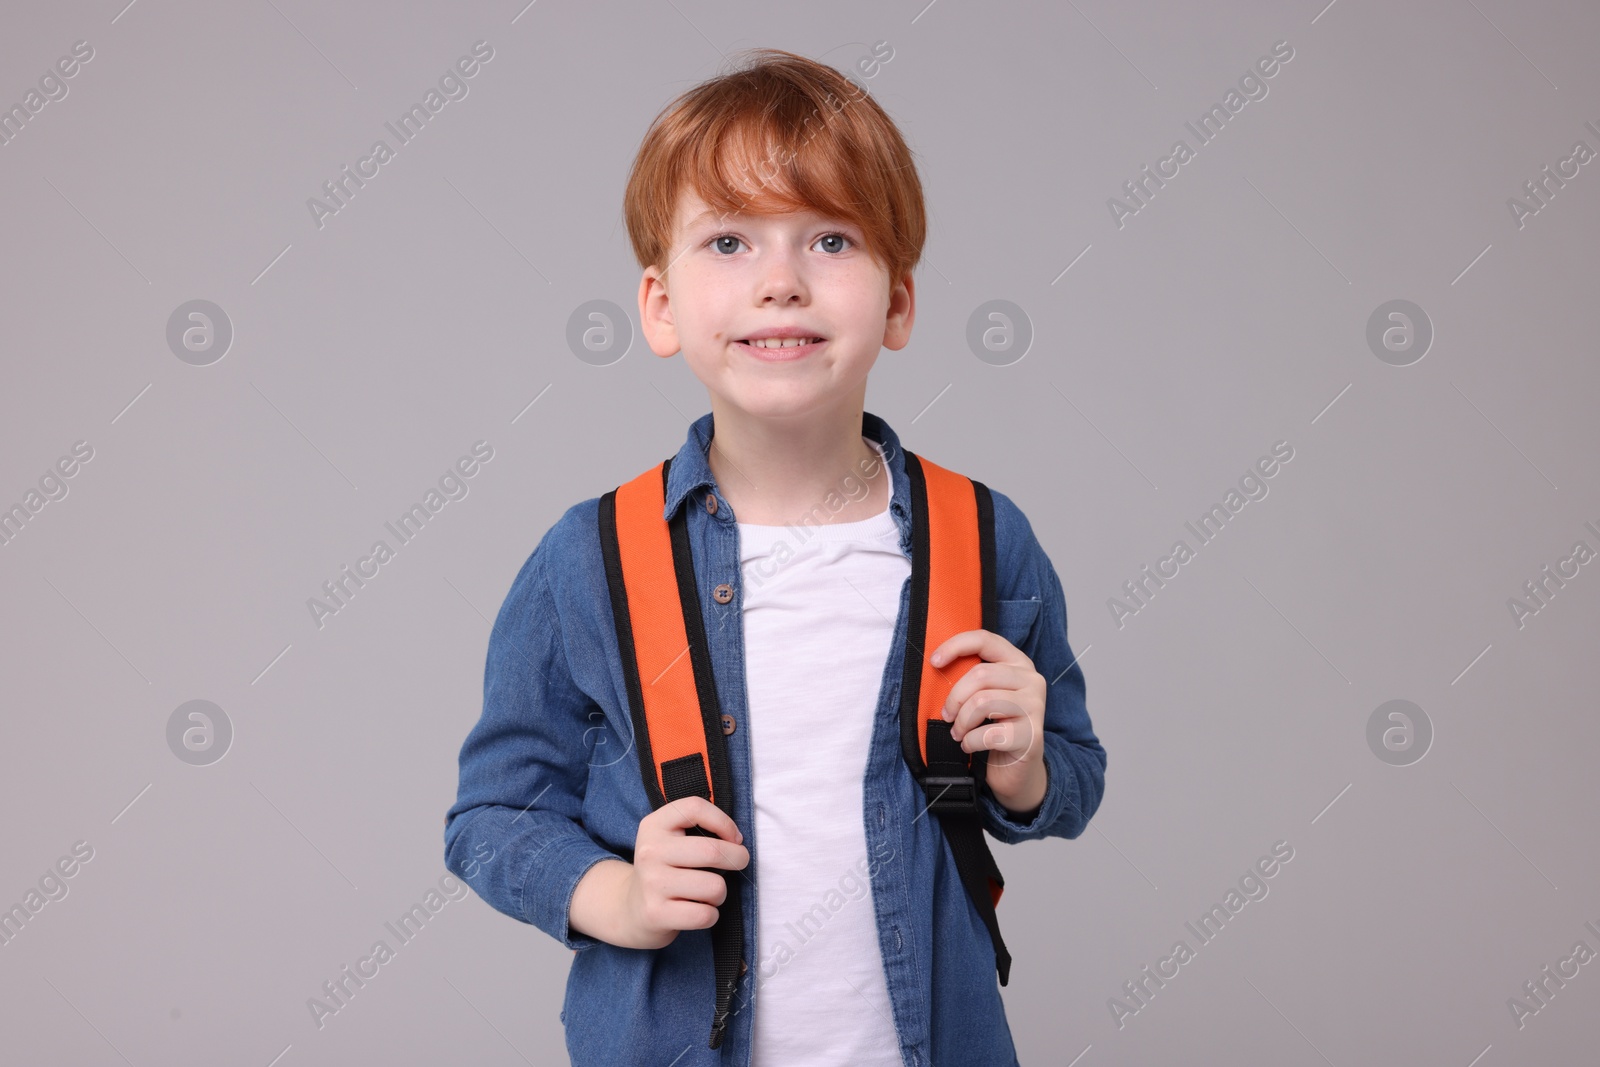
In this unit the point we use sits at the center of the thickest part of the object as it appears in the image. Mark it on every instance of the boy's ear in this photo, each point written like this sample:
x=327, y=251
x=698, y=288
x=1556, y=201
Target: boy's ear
x=655, y=314
x=902, y=311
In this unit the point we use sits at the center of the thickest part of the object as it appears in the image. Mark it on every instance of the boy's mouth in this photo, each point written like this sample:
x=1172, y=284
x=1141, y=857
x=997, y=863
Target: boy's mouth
x=781, y=342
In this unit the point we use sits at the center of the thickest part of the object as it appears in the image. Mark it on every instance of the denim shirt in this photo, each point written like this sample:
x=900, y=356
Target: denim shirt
x=550, y=785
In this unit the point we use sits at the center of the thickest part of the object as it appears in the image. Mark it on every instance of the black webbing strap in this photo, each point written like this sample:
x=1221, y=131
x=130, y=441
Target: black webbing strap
x=685, y=777
x=952, y=793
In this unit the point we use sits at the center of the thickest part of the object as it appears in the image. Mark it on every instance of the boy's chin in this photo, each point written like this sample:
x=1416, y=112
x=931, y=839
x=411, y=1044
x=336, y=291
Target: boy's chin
x=780, y=405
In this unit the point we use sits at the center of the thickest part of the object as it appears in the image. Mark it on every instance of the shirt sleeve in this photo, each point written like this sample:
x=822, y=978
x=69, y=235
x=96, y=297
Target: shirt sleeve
x=1074, y=760
x=515, y=833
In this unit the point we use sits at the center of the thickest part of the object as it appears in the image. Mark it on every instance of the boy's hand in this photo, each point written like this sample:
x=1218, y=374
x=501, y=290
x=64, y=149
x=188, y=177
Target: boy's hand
x=668, y=890
x=1003, y=687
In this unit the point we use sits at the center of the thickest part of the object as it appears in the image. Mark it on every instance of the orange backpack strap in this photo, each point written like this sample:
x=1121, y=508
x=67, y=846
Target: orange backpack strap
x=952, y=590
x=672, y=697
x=661, y=634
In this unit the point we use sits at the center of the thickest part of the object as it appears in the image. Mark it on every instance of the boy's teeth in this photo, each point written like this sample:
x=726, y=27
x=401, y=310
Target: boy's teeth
x=782, y=342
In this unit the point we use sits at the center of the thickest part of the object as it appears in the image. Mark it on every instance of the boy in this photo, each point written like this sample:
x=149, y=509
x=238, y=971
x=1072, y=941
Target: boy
x=777, y=214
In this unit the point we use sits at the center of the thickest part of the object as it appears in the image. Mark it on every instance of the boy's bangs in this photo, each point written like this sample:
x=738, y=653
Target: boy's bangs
x=763, y=165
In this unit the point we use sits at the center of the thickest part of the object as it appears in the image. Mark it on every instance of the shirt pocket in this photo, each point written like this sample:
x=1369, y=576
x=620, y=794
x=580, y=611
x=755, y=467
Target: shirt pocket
x=1015, y=619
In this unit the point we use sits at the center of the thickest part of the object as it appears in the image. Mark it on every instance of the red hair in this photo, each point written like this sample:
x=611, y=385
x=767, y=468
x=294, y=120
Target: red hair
x=783, y=134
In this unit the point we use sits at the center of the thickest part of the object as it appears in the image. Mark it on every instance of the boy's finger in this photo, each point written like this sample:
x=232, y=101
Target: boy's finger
x=725, y=855
x=687, y=813
x=703, y=851
x=982, y=706
x=1000, y=677
x=1019, y=744
x=990, y=737
x=984, y=644
x=961, y=644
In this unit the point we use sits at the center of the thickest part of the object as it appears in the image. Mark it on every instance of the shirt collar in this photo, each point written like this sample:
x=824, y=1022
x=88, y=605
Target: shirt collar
x=690, y=469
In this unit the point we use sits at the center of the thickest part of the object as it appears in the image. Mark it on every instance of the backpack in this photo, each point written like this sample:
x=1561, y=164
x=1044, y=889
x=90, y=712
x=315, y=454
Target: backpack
x=677, y=717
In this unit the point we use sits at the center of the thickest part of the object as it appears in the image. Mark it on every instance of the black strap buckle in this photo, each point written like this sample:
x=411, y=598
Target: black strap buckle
x=951, y=795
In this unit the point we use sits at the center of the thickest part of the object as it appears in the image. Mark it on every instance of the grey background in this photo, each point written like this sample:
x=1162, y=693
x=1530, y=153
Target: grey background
x=1228, y=314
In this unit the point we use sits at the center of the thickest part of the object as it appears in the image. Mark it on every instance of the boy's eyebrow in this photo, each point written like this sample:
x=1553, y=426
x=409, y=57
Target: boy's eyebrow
x=722, y=216
x=702, y=217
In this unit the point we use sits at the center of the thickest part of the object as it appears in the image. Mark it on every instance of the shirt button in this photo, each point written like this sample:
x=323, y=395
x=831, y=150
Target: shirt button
x=723, y=593
x=711, y=503
x=743, y=966
x=728, y=725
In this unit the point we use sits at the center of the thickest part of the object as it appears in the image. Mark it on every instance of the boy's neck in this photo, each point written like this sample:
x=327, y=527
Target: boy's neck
x=774, y=473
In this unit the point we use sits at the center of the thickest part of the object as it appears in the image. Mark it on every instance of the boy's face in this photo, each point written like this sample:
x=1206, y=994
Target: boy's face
x=734, y=277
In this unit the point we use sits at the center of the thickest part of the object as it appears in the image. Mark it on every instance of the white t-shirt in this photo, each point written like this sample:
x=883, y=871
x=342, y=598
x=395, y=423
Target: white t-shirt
x=819, y=612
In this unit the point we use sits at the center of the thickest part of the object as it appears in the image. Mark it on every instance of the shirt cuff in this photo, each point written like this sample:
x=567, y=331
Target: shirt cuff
x=552, y=878
x=1022, y=826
